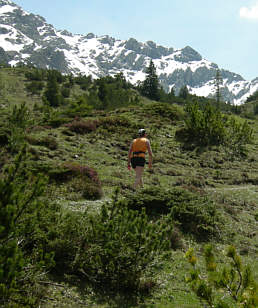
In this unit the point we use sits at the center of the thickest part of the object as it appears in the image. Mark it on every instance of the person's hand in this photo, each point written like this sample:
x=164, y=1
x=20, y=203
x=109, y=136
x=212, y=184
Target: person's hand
x=129, y=167
x=150, y=165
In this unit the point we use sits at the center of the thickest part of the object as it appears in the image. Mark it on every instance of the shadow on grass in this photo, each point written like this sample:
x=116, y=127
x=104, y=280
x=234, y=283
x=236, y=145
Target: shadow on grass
x=87, y=294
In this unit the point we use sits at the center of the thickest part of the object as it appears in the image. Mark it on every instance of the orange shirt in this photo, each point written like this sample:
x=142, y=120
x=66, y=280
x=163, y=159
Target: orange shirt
x=139, y=145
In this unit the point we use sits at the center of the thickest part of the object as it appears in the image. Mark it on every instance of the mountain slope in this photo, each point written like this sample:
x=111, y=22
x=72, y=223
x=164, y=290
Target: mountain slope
x=28, y=38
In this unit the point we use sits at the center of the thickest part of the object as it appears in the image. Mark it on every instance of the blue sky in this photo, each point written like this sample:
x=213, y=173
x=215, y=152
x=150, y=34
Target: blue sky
x=222, y=31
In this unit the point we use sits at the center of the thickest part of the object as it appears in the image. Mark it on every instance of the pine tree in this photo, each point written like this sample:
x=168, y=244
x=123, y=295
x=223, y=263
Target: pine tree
x=18, y=196
x=52, y=93
x=233, y=282
x=151, y=87
x=218, y=82
x=183, y=92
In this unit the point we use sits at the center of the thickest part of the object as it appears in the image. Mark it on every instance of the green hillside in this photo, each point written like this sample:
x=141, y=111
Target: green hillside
x=73, y=233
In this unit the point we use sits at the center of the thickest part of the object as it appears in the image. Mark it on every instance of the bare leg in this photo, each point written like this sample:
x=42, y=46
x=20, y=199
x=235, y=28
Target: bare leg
x=138, y=177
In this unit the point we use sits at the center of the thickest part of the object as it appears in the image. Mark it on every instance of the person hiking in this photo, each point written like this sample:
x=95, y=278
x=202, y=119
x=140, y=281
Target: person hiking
x=136, y=156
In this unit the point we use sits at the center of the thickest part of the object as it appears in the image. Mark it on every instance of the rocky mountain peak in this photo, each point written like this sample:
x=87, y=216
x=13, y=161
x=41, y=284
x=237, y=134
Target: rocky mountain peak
x=28, y=38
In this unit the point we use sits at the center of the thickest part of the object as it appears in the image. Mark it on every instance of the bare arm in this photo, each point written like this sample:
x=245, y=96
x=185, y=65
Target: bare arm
x=150, y=153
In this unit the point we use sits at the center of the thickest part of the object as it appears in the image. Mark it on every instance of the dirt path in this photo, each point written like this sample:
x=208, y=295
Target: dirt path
x=250, y=187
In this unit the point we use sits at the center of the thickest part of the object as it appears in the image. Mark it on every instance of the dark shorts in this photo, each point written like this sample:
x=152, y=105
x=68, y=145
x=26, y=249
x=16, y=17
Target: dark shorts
x=137, y=161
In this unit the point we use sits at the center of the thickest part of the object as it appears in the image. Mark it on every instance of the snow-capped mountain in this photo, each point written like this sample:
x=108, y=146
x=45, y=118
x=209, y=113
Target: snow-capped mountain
x=28, y=38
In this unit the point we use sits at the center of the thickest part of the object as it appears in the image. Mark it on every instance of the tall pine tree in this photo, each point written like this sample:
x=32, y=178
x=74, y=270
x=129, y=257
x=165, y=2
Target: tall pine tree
x=150, y=86
x=218, y=82
x=52, y=92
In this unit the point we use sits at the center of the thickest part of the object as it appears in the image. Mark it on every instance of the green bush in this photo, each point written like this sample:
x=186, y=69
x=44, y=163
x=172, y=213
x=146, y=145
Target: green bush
x=164, y=110
x=47, y=141
x=204, y=127
x=4, y=136
x=78, y=108
x=64, y=237
x=238, y=135
x=198, y=217
x=110, y=249
x=226, y=286
x=85, y=187
x=195, y=214
x=18, y=120
x=208, y=126
x=35, y=87
x=115, y=123
x=52, y=117
x=119, y=245
x=21, y=260
x=57, y=121
x=83, y=179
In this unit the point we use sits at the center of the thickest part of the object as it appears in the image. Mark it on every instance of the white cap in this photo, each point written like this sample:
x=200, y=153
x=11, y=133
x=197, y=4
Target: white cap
x=141, y=131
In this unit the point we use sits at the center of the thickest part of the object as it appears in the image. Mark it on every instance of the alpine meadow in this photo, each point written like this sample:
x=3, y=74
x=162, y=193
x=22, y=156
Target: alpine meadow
x=73, y=230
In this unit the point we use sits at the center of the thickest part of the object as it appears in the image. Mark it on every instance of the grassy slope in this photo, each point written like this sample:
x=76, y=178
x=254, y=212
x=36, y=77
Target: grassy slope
x=231, y=183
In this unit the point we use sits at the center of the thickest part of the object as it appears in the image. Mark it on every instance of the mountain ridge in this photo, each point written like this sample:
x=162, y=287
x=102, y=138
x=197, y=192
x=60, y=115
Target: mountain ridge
x=28, y=38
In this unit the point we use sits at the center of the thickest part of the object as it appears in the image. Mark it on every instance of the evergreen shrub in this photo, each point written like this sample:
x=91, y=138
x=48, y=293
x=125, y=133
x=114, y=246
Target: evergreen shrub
x=119, y=246
x=226, y=285
x=110, y=249
x=4, y=137
x=87, y=188
x=115, y=123
x=206, y=126
x=194, y=213
x=57, y=120
x=164, y=110
x=18, y=120
x=21, y=259
x=64, y=238
x=78, y=108
x=47, y=141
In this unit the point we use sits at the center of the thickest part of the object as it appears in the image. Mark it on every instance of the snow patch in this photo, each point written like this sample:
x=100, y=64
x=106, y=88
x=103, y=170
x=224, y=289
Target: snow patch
x=7, y=9
x=205, y=90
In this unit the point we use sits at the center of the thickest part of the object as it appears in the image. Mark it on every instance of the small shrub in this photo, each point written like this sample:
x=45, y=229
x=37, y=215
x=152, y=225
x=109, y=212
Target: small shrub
x=203, y=127
x=194, y=213
x=115, y=123
x=164, y=110
x=80, y=126
x=78, y=108
x=21, y=261
x=176, y=239
x=208, y=126
x=109, y=250
x=64, y=239
x=37, y=128
x=4, y=137
x=35, y=87
x=119, y=246
x=230, y=285
x=86, y=187
x=198, y=217
x=47, y=141
x=18, y=120
x=82, y=179
x=91, y=191
x=83, y=170
x=57, y=121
